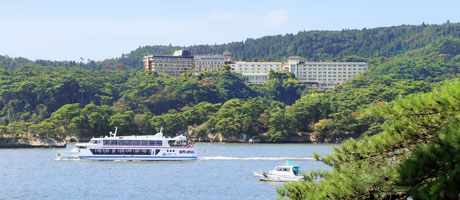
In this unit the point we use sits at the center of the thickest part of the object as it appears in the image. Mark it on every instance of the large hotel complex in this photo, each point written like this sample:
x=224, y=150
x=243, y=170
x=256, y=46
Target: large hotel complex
x=317, y=74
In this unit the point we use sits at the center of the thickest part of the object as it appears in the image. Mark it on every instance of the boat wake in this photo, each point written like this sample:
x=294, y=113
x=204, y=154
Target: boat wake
x=253, y=158
x=67, y=158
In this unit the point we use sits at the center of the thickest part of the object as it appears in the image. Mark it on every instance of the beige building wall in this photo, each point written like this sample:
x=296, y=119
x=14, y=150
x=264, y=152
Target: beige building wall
x=172, y=65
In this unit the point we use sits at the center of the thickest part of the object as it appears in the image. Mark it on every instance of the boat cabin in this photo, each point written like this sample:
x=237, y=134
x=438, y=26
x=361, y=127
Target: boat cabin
x=287, y=170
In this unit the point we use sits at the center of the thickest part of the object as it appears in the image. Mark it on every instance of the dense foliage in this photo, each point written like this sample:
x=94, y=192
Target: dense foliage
x=146, y=100
x=416, y=154
x=60, y=101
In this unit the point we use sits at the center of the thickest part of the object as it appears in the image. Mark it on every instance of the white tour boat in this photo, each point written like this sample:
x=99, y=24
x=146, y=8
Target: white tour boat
x=145, y=147
x=284, y=173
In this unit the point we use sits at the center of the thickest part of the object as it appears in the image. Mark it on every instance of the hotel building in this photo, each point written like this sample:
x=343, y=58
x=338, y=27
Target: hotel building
x=181, y=61
x=314, y=74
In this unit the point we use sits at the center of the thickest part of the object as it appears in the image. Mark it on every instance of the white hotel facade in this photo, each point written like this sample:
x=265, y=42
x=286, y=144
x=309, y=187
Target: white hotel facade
x=256, y=72
x=324, y=74
x=318, y=74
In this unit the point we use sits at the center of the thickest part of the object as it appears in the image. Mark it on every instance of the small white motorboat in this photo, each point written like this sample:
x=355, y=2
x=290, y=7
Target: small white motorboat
x=288, y=172
x=68, y=155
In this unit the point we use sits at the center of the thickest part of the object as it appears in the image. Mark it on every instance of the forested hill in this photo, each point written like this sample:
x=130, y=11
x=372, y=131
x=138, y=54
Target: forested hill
x=59, y=101
x=313, y=45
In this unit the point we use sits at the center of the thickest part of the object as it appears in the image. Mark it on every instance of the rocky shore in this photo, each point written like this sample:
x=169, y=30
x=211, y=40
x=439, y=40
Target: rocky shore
x=245, y=139
x=32, y=142
x=301, y=138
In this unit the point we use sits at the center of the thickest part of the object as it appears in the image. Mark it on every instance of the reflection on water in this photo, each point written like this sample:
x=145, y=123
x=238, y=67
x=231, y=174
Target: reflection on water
x=253, y=158
x=223, y=171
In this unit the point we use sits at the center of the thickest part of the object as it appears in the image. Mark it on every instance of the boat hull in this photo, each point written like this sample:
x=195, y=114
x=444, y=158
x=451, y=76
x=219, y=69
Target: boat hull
x=269, y=176
x=281, y=179
x=139, y=158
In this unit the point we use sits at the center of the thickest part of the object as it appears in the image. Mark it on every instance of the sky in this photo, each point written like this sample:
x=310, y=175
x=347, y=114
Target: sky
x=102, y=29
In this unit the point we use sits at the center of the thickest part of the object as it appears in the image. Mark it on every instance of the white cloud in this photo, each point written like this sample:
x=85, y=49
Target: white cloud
x=273, y=18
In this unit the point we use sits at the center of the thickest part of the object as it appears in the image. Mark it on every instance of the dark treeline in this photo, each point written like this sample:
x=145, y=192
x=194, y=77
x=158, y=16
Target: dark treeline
x=316, y=45
x=345, y=45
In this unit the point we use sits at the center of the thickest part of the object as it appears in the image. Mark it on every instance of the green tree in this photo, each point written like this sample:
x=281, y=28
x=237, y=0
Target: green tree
x=414, y=156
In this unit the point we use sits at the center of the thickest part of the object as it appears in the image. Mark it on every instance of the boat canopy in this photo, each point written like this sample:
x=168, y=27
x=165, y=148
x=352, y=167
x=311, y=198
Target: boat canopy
x=289, y=163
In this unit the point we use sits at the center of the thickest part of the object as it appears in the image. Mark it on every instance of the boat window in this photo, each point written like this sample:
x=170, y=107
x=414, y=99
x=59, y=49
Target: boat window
x=106, y=142
x=136, y=142
x=177, y=143
x=121, y=151
x=295, y=170
x=145, y=143
x=155, y=143
x=157, y=151
x=113, y=142
x=94, y=142
x=121, y=142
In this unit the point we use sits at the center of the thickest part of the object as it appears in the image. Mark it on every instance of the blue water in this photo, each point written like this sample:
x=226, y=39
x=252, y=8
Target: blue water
x=223, y=171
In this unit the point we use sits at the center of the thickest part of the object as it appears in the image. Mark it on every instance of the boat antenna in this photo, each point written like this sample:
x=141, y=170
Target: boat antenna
x=114, y=134
x=161, y=129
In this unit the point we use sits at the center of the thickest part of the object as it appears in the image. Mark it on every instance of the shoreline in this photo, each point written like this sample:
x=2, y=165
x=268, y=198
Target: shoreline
x=35, y=142
x=32, y=142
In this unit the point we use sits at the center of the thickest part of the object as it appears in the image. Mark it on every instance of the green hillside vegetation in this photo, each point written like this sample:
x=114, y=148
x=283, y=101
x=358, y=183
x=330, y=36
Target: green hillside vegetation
x=60, y=101
x=141, y=102
x=416, y=154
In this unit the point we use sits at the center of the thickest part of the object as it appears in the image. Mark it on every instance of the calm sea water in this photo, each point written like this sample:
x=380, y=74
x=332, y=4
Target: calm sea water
x=223, y=171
